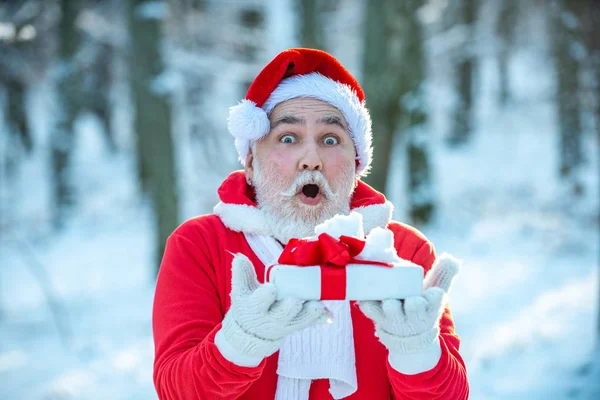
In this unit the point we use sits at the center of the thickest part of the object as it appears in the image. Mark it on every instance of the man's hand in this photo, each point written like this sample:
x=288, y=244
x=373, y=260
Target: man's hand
x=256, y=324
x=412, y=325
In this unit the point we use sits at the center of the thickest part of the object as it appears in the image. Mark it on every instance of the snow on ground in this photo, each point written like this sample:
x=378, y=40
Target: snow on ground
x=93, y=338
x=525, y=303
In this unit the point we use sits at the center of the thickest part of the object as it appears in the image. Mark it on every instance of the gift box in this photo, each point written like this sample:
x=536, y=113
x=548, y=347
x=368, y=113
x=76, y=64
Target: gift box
x=343, y=267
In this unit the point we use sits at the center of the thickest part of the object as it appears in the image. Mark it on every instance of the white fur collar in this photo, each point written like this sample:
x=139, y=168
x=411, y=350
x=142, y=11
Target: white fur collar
x=249, y=219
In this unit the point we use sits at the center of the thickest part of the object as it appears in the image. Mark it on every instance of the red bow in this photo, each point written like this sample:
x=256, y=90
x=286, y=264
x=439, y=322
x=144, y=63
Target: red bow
x=326, y=251
x=332, y=255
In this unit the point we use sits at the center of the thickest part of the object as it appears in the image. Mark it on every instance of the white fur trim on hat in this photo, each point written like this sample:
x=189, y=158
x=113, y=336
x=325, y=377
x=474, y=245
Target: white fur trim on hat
x=247, y=122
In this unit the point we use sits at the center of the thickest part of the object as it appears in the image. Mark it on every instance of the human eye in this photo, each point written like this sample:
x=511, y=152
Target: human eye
x=331, y=141
x=288, y=139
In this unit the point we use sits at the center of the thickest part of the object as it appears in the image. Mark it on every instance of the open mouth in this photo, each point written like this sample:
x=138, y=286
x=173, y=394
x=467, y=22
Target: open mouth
x=310, y=190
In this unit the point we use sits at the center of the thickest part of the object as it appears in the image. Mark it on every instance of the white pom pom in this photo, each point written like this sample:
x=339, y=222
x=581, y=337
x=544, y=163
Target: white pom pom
x=347, y=225
x=379, y=246
x=247, y=121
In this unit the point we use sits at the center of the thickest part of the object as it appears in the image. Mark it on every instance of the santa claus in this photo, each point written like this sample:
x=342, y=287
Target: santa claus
x=303, y=134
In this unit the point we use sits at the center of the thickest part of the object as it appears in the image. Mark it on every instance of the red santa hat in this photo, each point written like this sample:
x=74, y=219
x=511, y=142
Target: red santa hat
x=302, y=73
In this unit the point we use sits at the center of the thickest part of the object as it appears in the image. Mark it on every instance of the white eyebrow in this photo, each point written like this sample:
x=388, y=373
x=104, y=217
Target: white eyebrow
x=332, y=120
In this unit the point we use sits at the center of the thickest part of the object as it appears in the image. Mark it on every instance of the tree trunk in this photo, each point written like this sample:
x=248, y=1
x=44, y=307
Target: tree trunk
x=592, y=29
x=393, y=76
x=100, y=104
x=16, y=116
x=414, y=113
x=505, y=28
x=381, y=84
x=594, y=45
x=311, y=32
x=153, y=122
x=462, y=124
x=62, y=135
x=596, y=62
x=566, y=40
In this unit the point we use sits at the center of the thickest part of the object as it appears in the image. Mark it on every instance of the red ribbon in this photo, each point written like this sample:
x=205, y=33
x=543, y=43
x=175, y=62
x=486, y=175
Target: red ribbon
x=332, y=256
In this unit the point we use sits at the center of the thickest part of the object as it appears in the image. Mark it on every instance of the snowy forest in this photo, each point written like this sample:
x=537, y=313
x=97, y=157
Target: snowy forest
x=113, y=131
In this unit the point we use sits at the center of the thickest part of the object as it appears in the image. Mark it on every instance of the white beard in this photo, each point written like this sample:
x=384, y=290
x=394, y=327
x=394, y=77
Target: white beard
x=287, y=217
x=283, y=229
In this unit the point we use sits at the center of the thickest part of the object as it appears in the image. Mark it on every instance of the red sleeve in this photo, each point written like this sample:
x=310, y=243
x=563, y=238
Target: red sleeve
x=186, y=315
x=448, y=379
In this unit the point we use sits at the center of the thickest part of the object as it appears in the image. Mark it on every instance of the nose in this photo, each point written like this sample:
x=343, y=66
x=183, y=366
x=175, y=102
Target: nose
x=311, y=160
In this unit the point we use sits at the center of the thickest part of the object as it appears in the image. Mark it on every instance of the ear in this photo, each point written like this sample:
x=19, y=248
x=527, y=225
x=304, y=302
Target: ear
x=248, y=167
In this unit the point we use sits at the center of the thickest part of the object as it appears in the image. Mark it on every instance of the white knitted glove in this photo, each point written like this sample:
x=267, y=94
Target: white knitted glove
x=412, y=326
x=256, y=324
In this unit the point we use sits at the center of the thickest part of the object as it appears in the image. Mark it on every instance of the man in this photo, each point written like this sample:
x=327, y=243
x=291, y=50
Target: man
x=303, y=134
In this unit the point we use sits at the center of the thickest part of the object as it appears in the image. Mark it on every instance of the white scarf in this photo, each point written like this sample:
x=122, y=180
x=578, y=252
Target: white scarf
x=322, y=351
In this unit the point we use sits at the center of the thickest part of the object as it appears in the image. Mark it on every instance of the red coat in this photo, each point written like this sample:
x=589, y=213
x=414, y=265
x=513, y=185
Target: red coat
x=192, y=296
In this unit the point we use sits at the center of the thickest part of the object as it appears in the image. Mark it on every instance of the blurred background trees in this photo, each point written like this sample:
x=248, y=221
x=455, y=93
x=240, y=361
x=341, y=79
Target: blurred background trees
x=311, y=22
x=25, y=59
x=153, y=123
x=465, y=17
x=393, y=80
x=189, y=59
x=113, y=118
x=569, y=53
x=62, y=133
x=506, y=29
x=174, y=52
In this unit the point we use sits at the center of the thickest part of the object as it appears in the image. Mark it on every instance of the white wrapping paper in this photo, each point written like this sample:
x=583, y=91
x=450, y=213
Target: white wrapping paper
x=363, y=282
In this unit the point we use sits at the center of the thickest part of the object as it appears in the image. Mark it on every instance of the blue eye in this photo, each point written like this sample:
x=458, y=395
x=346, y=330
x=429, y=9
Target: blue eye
x=331, y=141
x=287, y=139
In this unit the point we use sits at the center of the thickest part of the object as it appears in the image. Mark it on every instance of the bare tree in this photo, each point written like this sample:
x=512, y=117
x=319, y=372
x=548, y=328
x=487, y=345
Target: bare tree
x=505, y=29
x=25, y=57
x=155, y=153
x=381, y=82
x=393, y=75
x=593, y=40
x=579, y=21
x=62, y=135
x=568, y=52
x=101, y=38
x=462, y=120
x=591, y=28
x=15, y=113
x=311, y=25
x=594, y=35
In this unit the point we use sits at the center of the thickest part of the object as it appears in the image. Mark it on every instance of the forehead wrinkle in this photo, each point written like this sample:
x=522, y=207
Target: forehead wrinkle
x=288, y=119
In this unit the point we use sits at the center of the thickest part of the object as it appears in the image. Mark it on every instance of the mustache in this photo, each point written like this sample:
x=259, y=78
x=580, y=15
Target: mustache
x=307, y=178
